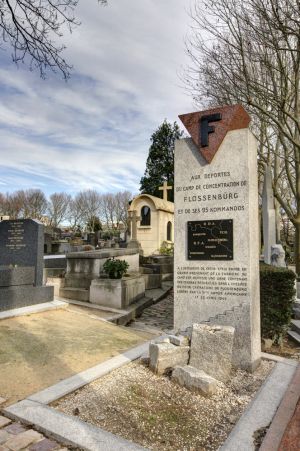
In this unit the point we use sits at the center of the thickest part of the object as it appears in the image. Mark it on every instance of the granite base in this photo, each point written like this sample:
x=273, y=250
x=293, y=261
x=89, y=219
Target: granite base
x=23, y=296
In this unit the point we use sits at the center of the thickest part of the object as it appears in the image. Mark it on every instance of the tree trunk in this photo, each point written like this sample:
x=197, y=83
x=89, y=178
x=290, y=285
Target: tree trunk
x=297, y=247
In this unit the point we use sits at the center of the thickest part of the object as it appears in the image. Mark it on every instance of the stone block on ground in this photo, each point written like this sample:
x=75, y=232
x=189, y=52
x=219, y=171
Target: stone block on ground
x=164, y=356
x=179, y=340
x=267, y=343
x=161, y=339
x=211, y=350
x=194, y=379
x=23, y=440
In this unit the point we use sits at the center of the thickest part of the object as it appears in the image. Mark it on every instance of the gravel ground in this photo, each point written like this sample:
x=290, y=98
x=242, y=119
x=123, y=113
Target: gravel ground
x=154, y=412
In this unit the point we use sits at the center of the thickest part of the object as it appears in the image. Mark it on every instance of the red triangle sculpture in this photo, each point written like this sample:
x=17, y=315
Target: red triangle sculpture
x=208, y=128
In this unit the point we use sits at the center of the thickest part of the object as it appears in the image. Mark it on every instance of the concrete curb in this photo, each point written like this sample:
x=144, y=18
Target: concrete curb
x=37, y=308
x=262, y=408
x=278, y=358
x=67, y=429
x=283, y=415
x=92, y=306
x=67, y=386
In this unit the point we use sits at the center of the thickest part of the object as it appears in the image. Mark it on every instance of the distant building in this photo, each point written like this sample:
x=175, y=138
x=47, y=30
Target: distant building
x=155, y=224
x=4, y=217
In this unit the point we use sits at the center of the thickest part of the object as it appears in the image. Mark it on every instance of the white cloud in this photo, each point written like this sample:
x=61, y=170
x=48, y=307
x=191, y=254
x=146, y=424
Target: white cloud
x=93, y=132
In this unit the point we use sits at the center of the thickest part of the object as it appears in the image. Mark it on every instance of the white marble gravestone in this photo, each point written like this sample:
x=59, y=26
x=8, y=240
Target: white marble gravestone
x=216, y=229
x=268, y=215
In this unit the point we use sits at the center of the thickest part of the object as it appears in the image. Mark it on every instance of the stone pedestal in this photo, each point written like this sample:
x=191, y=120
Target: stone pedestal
x=216, y=241
x=117, y=293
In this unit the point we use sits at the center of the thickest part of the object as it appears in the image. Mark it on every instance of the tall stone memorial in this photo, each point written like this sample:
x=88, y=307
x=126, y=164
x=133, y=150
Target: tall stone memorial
x=21, y=264
x=216, y=228
x=269, y=215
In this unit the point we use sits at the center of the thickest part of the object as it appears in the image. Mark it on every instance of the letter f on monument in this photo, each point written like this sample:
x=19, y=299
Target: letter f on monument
x=208, y=138
x=206, y=129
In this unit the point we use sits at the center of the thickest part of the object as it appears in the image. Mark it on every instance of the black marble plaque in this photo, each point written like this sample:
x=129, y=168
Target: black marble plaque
x=22, y=244
x=210, y=240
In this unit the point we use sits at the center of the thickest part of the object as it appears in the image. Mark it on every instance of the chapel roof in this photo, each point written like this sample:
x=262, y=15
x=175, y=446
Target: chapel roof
x=160, y=204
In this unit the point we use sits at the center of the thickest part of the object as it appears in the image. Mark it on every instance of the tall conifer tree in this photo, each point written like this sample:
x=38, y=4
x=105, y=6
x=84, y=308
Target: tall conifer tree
x=160, y=161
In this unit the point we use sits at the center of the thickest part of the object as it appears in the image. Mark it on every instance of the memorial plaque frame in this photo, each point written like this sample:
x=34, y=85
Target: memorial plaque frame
x=205, y=240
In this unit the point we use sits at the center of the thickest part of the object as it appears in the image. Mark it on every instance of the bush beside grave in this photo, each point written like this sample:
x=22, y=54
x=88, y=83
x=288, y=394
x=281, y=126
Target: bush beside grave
x=276, y=300
x=115, y=269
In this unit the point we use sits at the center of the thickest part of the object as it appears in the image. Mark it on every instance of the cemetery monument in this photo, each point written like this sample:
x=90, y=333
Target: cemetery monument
x=21, y=264
x=216, y=229
x=268, y=215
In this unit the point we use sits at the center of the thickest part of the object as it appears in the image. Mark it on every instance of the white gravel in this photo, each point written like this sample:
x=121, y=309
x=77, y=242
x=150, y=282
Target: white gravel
x=154, y=412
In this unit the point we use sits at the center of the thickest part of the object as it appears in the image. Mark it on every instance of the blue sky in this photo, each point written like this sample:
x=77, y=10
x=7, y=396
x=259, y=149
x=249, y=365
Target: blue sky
x=93, y=131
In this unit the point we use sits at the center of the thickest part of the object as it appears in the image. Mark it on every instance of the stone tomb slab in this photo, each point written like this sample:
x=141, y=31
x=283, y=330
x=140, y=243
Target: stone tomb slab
x=213, y=289
x=21, y=264
x=22, y=244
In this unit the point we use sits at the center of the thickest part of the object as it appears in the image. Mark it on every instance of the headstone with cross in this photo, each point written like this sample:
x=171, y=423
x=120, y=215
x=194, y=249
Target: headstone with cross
x=165, y=188
x=133, y=220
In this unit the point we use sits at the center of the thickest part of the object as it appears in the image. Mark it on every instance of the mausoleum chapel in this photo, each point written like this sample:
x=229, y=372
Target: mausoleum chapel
x=155, y=224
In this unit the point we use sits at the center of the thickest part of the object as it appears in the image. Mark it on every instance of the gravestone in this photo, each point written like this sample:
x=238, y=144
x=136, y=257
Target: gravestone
x=216, y=228
x=133, y=219
x=268, y=215
x=21, y=264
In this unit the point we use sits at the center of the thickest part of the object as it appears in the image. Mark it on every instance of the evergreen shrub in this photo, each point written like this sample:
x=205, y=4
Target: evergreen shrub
x=276, y=300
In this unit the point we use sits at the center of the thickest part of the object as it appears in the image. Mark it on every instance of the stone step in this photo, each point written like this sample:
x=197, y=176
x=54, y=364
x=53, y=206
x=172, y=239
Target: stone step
x=296, y=311
x=78, y=294
x=294, y=335
x=295, y=324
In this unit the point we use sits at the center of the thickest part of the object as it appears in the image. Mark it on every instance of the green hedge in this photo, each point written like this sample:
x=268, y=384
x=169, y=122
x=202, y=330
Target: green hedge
x=276, y=300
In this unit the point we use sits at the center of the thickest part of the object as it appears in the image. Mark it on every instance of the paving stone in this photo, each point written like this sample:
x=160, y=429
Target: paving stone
x=4, y=421
x=159, y=315
x=23, y=440
x=44, y=445
x=15, y=428
x=4, y=436
x=2, y=400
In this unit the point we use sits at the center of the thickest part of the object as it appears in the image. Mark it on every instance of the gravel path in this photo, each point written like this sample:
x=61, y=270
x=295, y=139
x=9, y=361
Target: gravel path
x=154, y=412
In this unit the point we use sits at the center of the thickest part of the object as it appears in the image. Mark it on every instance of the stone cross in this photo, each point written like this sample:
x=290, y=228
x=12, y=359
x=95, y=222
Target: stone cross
x=133, y=219
x=165, y=188
x=268, y=215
